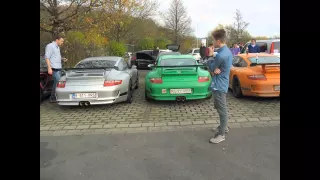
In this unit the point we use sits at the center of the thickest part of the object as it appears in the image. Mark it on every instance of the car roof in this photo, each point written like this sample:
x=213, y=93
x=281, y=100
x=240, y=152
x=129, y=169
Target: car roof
x=249, y=55
x=110, y=58
x=178, y=56
x=169, y=53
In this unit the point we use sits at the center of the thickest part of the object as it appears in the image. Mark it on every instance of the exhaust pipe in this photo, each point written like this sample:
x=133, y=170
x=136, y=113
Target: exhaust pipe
x=81, y=104
x=183, y=99
x=178, y=99
x=86, y=104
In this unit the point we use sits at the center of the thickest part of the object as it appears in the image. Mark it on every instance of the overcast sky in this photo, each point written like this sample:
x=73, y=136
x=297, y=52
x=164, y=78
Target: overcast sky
x=263, y=16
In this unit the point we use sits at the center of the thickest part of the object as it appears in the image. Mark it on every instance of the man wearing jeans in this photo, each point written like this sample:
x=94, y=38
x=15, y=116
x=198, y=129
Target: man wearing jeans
x=53, y=60
x=220, y=71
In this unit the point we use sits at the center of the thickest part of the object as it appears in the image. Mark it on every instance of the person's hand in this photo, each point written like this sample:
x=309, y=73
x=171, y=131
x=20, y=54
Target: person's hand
x=64, y=59
x=50, y=71
x=217, y=71
x=212, y=73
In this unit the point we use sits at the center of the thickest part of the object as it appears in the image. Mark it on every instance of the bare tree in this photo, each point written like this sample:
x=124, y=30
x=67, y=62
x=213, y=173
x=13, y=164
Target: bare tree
x=56, y=15
x=177, y=20
x=239, y=26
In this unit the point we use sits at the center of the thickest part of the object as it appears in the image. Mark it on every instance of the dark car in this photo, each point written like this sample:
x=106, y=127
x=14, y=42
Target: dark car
x=46, y=80
x=143, y=58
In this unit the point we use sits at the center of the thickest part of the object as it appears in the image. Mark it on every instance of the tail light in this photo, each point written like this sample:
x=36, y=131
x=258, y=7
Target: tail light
x=112, y=83
x=272, y=48
x=203, y=78
x=257, y=77
x=156, y=80
x=61, y=84
x=133, y=58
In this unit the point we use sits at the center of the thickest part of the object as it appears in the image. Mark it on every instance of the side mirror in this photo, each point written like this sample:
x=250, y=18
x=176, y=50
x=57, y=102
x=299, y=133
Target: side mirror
x=236, y=65
x=133, y=67
x=150, y=65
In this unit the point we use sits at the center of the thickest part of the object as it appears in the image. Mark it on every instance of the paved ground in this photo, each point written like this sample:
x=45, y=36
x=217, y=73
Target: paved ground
x=247, y=154
x=142, y=116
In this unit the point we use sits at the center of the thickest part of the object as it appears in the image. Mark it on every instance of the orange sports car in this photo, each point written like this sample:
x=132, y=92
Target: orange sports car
x=255, y=75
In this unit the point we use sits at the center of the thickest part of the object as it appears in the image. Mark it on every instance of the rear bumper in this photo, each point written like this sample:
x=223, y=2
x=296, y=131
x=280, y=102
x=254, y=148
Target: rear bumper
x=199, y=91
x=104, y=95
x=261, y=89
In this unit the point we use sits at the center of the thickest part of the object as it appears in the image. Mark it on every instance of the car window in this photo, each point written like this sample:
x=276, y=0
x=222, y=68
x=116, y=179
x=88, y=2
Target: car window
x=235, y=60
x=196, y=51
x=125, y=65
x=242, y=62
x=177, y=62
x=265, y=59
x=276, y=46
x=95, y=64
x=263, y=46
x=120, y=65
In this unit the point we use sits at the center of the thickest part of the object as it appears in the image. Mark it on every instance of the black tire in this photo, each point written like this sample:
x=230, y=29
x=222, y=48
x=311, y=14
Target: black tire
x=41, y=94
x=129, y=95
x=236, y=88
x=137, y=82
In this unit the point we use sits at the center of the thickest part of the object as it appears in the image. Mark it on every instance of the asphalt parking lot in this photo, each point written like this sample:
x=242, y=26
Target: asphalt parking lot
x=142, y=116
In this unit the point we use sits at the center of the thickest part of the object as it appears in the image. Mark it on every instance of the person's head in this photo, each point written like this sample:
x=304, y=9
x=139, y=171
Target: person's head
x=219, y=37
x=210, y=45
x=253, y=41
x=235, y=45
x=202, y=44
x=59, y=40
x=157, y=48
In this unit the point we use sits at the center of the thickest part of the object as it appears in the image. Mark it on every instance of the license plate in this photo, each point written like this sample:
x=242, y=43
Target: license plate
x=180, y=91
x=83, y=95
x=277, y=88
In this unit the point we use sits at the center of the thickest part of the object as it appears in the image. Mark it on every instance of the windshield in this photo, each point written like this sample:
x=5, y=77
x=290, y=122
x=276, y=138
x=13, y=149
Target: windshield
x=265, y=59
x=96, y=64
x=196, y=51
x=177, y=62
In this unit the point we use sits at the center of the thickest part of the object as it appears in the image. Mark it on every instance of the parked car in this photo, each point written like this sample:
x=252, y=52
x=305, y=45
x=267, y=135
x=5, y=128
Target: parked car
x=145, y=57
x=46, y=81
x=195, y=52
x=255, y=75
x=266, y=46
x=177, y=77
x=98, y=80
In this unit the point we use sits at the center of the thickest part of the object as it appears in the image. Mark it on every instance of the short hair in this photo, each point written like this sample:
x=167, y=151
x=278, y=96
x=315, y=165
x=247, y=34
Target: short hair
x=58, y=37
x=219, y=34
x=210, y=44
x=254, y=40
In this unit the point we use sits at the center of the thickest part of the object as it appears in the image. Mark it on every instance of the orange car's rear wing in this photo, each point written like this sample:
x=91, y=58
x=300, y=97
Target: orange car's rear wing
x=263, y=65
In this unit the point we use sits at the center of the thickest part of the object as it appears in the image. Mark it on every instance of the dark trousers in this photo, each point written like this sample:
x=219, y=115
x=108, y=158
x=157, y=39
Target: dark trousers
x=220, y=103
x=56, y=74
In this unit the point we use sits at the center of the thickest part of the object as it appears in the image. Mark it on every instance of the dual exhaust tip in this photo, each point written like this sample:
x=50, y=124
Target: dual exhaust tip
x=181, y=99
x=84, y=104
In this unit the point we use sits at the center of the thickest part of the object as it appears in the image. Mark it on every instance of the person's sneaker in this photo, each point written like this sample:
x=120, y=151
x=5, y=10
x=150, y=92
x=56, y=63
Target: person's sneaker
x=217, y=139
x=217, y=129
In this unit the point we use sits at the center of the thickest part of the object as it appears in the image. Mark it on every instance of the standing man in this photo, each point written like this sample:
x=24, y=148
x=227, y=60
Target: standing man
x=202, y=51
x=53, y=60
x=253, y=48
x=235, y=50
x=220, y=71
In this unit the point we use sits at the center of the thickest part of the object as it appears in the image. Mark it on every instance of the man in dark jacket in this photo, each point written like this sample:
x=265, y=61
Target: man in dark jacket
x=253, y=48
x=203, y=51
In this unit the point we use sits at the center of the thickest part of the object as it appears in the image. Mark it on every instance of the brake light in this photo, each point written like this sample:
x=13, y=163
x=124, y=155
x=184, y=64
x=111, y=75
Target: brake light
x=156, y=80
x=272, y=48
x=257, y=77
x=61, y=84
x=133, y=58
x=112, y=83
x=203, y=78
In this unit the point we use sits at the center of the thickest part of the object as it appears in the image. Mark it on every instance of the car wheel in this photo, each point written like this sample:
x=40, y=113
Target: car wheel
x=236, y=88
x=137, y=82
x=41, y=94
x=129, y=95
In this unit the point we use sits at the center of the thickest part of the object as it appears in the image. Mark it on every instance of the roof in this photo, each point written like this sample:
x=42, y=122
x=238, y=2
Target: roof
x=178, y=56
x=249, y=55
x=111, y=58
x=169, y=53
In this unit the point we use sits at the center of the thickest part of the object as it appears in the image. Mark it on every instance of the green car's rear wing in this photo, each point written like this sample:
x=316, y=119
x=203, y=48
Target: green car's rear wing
x=178, y=67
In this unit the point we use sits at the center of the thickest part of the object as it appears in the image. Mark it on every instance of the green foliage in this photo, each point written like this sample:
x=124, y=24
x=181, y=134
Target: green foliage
x=117, y=49
x=161, y=42
x=146, y=43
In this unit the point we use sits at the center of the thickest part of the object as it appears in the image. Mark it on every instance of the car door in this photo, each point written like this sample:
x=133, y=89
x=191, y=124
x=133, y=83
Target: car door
x=234, y=67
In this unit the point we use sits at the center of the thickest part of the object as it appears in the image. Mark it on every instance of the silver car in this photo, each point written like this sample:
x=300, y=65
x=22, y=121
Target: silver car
x=97, y=80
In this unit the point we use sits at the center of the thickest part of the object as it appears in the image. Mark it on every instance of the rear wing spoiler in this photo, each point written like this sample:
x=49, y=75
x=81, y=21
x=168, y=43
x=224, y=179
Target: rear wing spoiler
x=193, y=66
x=66, y=71
x=255, y=64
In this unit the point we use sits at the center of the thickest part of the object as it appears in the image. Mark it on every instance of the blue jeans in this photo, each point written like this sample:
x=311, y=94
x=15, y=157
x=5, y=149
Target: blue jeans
x=220, y=103
x=56, y=77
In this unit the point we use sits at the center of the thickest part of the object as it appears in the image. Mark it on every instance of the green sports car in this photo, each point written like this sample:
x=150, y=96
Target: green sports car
x=177, y=77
